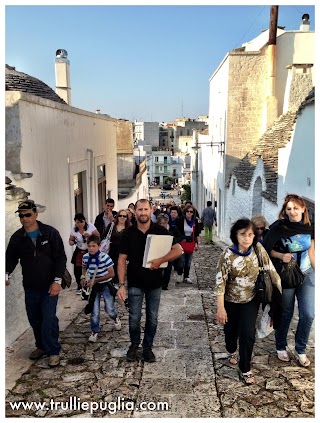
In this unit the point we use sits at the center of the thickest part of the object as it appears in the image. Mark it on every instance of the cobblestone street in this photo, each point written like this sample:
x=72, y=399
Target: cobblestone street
x=191, y=373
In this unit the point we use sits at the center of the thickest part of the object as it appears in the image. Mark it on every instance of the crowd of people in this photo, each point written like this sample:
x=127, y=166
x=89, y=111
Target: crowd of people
x=117, y=270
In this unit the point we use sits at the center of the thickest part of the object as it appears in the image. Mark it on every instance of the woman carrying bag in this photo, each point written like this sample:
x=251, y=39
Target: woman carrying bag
x=235, y=290
x=189, y=228
x=290, y=243
x=78, y=237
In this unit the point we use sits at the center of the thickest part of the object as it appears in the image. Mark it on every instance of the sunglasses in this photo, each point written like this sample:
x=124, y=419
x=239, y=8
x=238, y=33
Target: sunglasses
x=189, y=211
x=123, y=215
x=25, y=215
x=261, y=229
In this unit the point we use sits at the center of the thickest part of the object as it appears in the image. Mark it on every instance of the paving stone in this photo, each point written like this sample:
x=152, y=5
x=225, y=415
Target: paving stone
x=191, y=376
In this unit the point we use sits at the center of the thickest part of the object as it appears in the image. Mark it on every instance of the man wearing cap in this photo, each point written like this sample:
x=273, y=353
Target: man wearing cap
x=40, y=249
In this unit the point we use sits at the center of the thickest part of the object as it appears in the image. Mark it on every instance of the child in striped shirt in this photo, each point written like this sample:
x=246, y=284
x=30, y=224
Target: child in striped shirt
x=95, y=259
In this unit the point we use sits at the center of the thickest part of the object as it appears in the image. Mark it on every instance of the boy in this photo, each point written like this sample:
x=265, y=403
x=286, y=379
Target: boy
x=91, y=261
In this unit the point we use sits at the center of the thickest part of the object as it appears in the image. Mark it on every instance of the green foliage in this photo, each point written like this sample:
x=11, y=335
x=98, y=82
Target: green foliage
x=168, y=180
x=186, y=195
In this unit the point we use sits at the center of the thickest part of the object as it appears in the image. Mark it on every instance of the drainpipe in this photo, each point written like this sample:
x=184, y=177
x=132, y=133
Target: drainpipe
x=271, y=99
x=90, y=162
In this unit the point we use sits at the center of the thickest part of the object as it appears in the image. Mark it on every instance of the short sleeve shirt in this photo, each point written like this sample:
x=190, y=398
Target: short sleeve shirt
x=132, y=244
x=79, y=238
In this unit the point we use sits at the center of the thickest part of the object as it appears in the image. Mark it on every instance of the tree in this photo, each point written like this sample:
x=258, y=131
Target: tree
x=186, y=195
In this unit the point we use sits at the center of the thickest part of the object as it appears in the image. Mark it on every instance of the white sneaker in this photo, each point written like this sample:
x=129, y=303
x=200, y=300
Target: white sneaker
x=117, y=324
x=187, y=280
x=93, y=337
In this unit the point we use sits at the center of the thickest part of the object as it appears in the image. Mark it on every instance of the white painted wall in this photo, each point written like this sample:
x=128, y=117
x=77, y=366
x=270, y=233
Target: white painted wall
x=293, y=47
x=52, y=141
x=297, y=160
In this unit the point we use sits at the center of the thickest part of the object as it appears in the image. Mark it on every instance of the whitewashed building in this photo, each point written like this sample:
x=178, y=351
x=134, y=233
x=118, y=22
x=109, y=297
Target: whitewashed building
x=250, y=89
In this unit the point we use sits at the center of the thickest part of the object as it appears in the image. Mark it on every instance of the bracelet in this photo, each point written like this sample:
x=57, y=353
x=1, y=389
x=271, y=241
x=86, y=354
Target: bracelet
x=82, y=277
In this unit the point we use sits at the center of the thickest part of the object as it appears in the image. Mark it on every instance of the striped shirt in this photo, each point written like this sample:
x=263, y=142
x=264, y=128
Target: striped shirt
x=104, y=263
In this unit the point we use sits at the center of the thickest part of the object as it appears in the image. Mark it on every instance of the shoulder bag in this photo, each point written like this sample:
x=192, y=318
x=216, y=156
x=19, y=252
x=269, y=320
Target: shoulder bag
x=189, y=244
x=290, y=273
x=105, y=243
x=263, y=283
x=66, y=279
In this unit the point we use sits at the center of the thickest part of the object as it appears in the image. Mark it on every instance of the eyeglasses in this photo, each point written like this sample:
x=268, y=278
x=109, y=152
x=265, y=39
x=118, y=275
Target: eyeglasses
x=261, y=229
x=123, y=215
x=189, y=211
x=25, y=215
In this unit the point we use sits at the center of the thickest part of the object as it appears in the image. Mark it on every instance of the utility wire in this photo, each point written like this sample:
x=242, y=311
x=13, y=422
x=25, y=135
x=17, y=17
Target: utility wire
x=254, y=22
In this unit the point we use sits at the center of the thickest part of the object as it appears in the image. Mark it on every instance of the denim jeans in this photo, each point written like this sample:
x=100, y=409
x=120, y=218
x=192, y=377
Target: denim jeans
x=135, y=298
x=305, y=297
x=41, y=311
x=108, y=306
x=241, y=325
x=208, y=233
x=184, y=264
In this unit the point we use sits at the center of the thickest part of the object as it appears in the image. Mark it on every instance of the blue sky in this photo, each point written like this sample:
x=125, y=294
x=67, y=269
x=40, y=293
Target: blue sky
x=150, y=63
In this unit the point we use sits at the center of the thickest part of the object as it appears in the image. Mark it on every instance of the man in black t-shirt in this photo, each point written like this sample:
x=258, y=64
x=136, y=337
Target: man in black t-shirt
x=142, y=282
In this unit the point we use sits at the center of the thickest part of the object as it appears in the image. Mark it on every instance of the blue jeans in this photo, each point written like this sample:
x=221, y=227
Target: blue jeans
x=108, y=306
x=184, y=264
x=305, y=297
x=41, y=311
x=135, y=298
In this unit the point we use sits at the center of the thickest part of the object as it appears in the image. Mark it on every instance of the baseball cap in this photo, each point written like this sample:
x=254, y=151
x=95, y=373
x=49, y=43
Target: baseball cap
x=27, y=205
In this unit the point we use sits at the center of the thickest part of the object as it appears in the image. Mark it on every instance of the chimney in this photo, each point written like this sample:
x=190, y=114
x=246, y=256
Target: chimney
x=63, y=88
x=305, y=24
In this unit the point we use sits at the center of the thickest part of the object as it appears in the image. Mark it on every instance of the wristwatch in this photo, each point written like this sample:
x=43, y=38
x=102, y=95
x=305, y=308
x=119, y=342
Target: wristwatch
x=58, y=280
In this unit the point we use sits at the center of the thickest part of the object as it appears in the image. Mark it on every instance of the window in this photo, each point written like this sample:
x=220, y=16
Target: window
x=165, y=169
x=233, y=186
x=188, y=131
x=165, y=159
x=101, y=177
x=156, y=159
x=78, y=192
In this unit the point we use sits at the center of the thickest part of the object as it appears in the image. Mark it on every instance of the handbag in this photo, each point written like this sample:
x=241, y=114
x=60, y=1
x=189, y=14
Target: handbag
x=263, y=285
x=66, y=279
x=263, y=325
x=290, y=273
x=105, y=243
x=188, y=245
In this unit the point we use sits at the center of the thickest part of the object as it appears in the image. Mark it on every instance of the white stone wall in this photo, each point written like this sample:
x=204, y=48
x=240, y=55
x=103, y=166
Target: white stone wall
x=125, y=166
x=240, y=203
x=16, y=316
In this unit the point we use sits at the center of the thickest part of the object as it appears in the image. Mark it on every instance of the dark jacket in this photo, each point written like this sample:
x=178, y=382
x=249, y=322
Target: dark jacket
x=41, y=263
x=99, y=222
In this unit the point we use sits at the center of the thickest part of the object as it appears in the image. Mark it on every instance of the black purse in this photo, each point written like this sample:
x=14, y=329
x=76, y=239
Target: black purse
x=263, y=283
x=290, y=273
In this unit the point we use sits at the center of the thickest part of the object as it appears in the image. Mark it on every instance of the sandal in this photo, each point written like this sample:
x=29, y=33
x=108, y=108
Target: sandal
x=283, y=355
x=233, y=359
x=247, y=378
x=303, y=359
